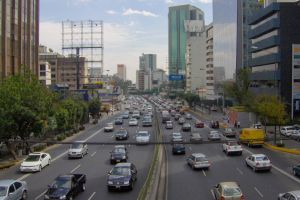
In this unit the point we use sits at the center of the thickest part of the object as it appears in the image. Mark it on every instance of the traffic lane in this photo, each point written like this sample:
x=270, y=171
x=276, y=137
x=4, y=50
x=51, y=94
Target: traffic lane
x=64, y=165
x=13, y=172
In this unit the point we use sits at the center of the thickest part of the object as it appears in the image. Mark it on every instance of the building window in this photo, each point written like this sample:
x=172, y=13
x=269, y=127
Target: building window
x=43, y=67
x=42, y=73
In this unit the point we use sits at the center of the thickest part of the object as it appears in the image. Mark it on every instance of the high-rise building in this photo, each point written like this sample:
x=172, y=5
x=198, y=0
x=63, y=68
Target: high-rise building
x=210, y=81
x=230, y=33
x=158, y=78
x=45, y=73
x=19, y=36
x=275, y=53
x=121, y=71
x=148, y=62
x=185, y=21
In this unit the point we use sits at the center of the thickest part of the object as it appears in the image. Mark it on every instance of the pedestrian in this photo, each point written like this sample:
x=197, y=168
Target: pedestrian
x=100, y=115
x=238, y=124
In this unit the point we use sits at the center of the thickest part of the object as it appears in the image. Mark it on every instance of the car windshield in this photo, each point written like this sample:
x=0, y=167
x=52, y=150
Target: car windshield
x=232, y=143
x=232, y=192
x=61, y=183
x=121, y=132
x=32, y=158
x=3, y=191
x=176, y=134
x=143, y=134
x=120, y=171
x=261, y=158
x=76, y=146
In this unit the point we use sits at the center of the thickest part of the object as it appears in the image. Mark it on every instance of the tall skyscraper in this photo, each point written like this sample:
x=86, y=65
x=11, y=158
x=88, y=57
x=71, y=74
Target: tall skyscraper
x=185, y=21
x=148, y=62
x=210, y=81
x=19, y=36
x=121, y=71
x=230, y=33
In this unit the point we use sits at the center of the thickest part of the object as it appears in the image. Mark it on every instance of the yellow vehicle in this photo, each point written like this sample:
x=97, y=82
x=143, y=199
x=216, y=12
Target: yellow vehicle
x=252, y=137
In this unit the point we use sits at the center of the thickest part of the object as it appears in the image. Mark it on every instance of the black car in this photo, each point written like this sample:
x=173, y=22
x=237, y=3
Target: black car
x=121, y=134
x=178, y=149
x=118, y=155
x=119, y=121
x=186, y=127
x=66, y=186
x=177, y=116
x=122, y=176
x=214, y=125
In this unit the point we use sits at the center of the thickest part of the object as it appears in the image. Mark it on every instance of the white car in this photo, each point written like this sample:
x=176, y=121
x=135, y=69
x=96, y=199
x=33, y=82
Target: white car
x=133, y=122
x=231, y=147
x=35, y=162
x=287, y=130
x=109, y=127
x=258, y=162
x=142, y=137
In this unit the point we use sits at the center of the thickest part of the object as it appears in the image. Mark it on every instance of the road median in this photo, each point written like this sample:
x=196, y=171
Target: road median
x=282, y=149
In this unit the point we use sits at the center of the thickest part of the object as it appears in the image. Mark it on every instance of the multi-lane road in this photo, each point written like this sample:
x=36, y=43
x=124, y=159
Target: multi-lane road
x=185, y=183
x=95, y=165
x=182, y=181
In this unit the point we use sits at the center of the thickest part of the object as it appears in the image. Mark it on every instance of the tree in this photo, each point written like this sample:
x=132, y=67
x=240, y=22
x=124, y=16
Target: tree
x=25, y=107
x=95, y=107
x=270, y=109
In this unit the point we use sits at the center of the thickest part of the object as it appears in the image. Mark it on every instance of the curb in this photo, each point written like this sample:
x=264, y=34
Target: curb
x=8, y=164
x=281, y=149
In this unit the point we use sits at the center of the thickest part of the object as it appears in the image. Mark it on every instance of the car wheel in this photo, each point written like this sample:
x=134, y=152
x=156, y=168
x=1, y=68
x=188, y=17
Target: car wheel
x=82, y=155
x=193, y=167
x=40, y=168
x=70, y=198
x=246, y=164
x=24, y=195
x=254, y=169
x=49, y=161
x=294, y=172
x=83, y=187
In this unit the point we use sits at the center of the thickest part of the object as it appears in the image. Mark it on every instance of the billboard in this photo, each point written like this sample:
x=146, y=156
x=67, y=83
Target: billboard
x=176, y=77
x=194, y=26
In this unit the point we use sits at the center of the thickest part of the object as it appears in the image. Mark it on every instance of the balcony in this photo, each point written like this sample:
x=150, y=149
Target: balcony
x=264, y=28
x=263, y=13
x=265, y=76
x=265, y=44
x=264, y=60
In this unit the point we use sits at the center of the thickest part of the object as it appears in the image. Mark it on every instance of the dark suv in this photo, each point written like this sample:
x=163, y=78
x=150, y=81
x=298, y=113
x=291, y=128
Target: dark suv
x=118, y=155
x=122, y=176
x=121, y=134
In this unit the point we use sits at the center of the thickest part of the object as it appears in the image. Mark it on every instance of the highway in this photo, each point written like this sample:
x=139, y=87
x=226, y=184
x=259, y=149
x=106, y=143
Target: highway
x=95, y=165
x=185, y=183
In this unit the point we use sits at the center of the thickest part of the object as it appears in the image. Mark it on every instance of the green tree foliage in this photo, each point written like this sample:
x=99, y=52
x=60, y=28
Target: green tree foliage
x=95, y=107
x=25, y=105
x=62, y=118
x=239, y=90
x=190, y=98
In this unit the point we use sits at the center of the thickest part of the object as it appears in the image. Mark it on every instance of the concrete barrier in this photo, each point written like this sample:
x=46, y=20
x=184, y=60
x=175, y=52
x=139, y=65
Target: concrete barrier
x=282, y=149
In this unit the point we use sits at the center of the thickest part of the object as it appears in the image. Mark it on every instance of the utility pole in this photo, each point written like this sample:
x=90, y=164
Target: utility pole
x=77, y=69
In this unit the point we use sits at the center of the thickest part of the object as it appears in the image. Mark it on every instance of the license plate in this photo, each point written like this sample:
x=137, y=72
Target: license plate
x=118, y=186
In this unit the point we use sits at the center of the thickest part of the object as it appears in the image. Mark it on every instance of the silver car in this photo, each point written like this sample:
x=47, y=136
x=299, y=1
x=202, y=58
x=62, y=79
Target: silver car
x=292, y=195
x=176, y=137
x=198, y=161
x=78, y=149
x=142, y=137
x=196, y=137
x=13, y=190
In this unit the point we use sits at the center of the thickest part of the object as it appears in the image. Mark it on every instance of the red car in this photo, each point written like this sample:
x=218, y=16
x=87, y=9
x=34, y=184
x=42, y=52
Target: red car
x=199, y=124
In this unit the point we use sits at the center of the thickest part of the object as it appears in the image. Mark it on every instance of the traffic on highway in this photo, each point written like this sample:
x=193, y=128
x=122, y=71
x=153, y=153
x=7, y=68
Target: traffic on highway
x=204, y=160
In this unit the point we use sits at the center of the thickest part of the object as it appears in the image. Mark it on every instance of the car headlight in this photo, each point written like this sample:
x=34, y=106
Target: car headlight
x=123, y=157
x=63, y=197
x=110, y=182
x=126, y=182
x=46, y=197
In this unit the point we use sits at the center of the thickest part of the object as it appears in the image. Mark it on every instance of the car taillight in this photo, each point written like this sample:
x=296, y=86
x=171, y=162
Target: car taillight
x=242, y=197
x=222, y=198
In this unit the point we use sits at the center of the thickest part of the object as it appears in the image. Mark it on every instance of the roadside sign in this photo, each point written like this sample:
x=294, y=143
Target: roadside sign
x=176, y=77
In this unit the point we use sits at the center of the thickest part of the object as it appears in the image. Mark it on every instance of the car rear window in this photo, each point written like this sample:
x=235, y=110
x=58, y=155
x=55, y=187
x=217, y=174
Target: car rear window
x=261, y=158
x=201, y=159
x=232, y=192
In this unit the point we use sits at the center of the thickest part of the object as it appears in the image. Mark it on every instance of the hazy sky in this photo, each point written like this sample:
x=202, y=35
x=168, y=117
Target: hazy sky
x=131, y=27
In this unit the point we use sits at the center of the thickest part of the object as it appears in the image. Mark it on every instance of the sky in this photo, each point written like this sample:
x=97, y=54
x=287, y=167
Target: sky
x=131, y=27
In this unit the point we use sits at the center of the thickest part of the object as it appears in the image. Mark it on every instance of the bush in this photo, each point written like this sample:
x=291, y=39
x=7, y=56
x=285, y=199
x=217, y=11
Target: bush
x=61, y=137
x=69, y=133
x=81, y=128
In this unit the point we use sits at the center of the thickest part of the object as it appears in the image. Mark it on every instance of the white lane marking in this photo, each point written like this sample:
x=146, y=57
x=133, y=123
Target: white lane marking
x=240, y=171
x=93, y=135
x=92, y=196
x=278, y=169
x=203, y=172
x=212, y=193
x=260, y=194
x=23, y=177
x=93, y=153
x=42, y=194
x=73, y=170
x=59, y=156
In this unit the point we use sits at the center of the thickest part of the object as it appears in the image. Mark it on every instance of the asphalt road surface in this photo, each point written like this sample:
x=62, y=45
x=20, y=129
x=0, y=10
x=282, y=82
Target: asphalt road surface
x=95, y=165
x=185, y=183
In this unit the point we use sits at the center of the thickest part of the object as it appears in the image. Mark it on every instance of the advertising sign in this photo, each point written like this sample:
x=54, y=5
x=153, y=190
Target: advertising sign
x=194, y=26
x=176, y=77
